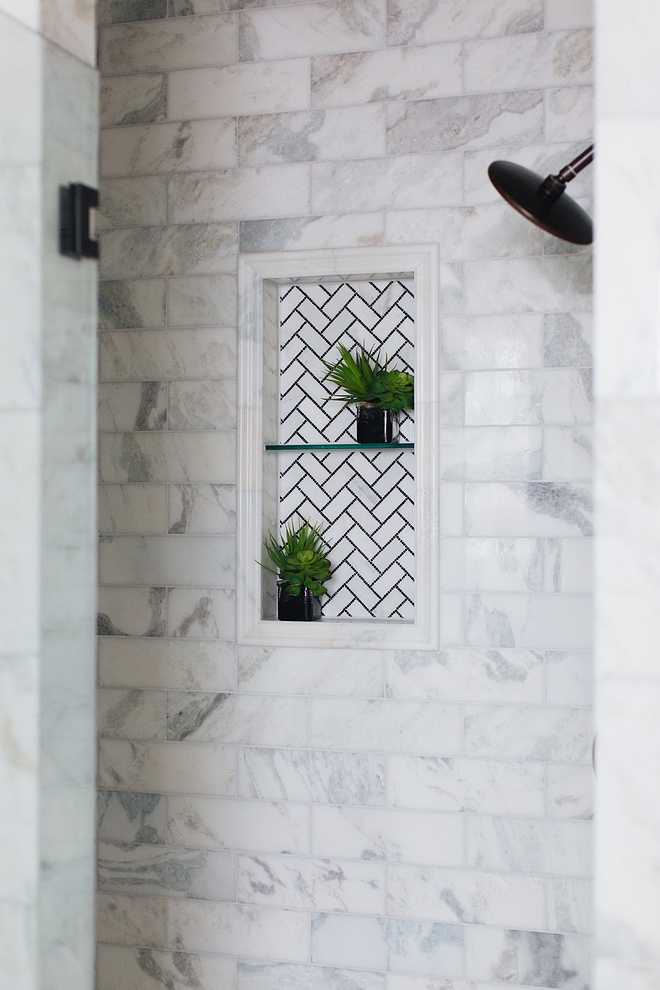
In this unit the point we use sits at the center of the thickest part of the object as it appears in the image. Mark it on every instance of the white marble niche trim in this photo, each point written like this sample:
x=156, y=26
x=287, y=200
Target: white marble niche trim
x=259, y=275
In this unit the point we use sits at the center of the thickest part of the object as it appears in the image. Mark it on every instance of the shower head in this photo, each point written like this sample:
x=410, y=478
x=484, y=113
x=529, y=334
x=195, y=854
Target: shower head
x=544, y=201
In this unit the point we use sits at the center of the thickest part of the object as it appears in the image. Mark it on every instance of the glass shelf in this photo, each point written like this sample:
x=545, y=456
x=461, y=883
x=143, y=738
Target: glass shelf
x=339, y=446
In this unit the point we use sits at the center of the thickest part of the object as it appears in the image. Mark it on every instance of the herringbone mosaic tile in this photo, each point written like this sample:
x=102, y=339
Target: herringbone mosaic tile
x=365, y=499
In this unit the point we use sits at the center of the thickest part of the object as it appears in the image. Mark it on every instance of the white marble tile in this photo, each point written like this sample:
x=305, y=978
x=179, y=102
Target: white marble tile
x=421, y=21
x=563, y=735
x=465, y=122
x=148, y=969
x=202, y=301
x=139, y=99
x=529, y=846
x=207, y=613
x=166, y=767
x=311, y=29
x=262, y=826
x=512, y=341
x=491, y=453
x=467, y=897
x=283, y=976
x=569, y=567
x=358, y=672
x=167, y=44
x=559, y=397
x=132, y=509
x=528, y=60
x=132, y=202
x=451, y=509
x=541, y=158
x=388, y=74
x=202, y=405
x=276, y=190
x=131, y=920
x=323, y=884
x=134, y=406
x=451, y=288
x=402, y=182
x=386, y=726
x=70, y=25
x=177, y=664
x=187, y=249
x=251, y=87
x=468, y=675
x=466, y=232
x=303, y=233
x=567, y=453
x=570, y=905
x=500, y=564
x=168, y=560
x=388, y=835
x=128, y=817
x=570, y=792
x=379, y=943
x=233, y=718
x=155, y=869
x=202, y=509
x=246, y=930
x=561, y=14
x=394, y=981
x=303, y=775
x=481, y=785
x=539, y=509
x=528, y=285
x=130, y=714
x=132, y=611
x=528, y=958
x=175, y=457
x=311, y=135
x=534, y=621
x=569, y=113
x=132, y=304
x=190, y=145
x=148, y=355
x=567, y=340
x=18, y=931
x=568, y=678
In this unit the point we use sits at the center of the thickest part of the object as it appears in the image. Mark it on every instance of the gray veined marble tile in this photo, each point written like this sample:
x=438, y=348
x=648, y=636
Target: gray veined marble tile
x=301, y=233
x=145, y=969
x=385, y=726
x=562, y=14
x=311, y=29
x=187, y=249
x=536, y=509
x=202, y=301
x=168, y=560
x=202, y=509
x=463, y=122
x=130, y=920
x=132, y=612
x=284, y=976
x=155, y=869
x=132, y=304
x=119, y=11
x=559, y=735
x=567, y=453
x=202, y=405
x=132, y=406
x=251, y=87
x=570, y=792
x=491, y=453
x=420, y=21
x=177, y=147
x=164, y=44
x=521, y=62
x=388, y=74
x=312, y=671
x=127, y=817
x=166, y=767
x=133, y=99
x=263, y=826
x=147, y=355
x=174, y=457
x=567, y=340
x=524, y=285
x=528, y=958
x=132, y=202
x=239, y=929
x=130, y=714
x=267, y=721
x=569, y=113
x=240, y=194
x=541, y=847
x=568, y=678
x=534, y=620
x=132, y=509
x=557, y=397
x=324, y=884
x=570, y=905
x=491, y=231
x=201, y=614
x=311, y=135
x=502, y=675
x=539, y=157
x=304, y=775
x=175, y=664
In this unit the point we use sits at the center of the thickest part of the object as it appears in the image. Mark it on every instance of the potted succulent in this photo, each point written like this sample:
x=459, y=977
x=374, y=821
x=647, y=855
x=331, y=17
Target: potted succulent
x=302, y=568
x=379, y=393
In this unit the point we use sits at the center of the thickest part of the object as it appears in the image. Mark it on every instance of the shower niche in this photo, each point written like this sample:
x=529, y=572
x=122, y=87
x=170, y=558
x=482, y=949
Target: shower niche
x=298, y=455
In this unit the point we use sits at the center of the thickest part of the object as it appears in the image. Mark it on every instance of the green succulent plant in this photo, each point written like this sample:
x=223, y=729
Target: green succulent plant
x=364, y=378
x=300, y=556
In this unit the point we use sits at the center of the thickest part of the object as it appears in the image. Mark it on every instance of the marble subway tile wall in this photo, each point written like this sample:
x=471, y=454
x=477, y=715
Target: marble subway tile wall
x=274, y=819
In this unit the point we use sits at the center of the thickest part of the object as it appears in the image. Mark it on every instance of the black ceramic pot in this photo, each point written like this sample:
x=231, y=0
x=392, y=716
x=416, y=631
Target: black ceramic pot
x=304, y=607
x=377, y=425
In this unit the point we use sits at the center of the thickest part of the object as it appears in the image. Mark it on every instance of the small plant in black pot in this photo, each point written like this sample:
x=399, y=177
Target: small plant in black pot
x=300, y=556
x=379, y=393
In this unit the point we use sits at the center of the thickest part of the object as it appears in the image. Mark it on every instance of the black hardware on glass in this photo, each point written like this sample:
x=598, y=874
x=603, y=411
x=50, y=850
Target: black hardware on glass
x=76, y=200
x=544, y=201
